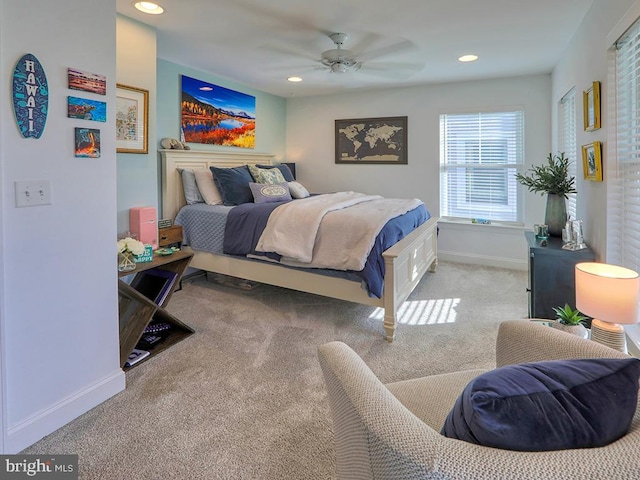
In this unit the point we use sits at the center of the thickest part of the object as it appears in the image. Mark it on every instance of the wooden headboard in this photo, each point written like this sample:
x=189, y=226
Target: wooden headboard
x=171, y=160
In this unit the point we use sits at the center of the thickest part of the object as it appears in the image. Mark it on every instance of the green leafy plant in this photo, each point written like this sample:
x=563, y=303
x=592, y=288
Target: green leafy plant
x=567, y=316
x=552, y=177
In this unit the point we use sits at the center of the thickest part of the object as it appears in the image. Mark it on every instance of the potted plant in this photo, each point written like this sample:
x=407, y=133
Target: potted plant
x=553, y=179
x=570, y=320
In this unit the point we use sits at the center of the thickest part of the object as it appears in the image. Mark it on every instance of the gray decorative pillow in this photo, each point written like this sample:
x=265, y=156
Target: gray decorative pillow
x=270, y=192
x=266, y=175
x=297, y=190
x=191, y=193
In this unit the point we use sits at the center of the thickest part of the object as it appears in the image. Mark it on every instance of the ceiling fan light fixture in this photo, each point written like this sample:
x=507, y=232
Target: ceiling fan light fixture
x=468, y=58
x=338, y=67
x=149, y=7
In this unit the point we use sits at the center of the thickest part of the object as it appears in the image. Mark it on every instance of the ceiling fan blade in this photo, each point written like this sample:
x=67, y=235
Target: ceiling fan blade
x=403, y=46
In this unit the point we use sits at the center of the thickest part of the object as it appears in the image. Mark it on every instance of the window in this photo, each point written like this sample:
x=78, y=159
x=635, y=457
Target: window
x=480, y=154
x=623, y=232
x=567, y=142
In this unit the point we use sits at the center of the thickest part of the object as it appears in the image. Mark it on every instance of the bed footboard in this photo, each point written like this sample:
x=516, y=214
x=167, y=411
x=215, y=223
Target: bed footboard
x=405, y=264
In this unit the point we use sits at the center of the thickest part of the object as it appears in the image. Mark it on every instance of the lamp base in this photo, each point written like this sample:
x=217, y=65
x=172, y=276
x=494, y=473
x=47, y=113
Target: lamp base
x=610, y=334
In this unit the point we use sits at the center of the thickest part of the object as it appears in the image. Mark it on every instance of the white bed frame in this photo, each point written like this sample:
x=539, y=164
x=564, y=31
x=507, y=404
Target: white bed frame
x=406, y=262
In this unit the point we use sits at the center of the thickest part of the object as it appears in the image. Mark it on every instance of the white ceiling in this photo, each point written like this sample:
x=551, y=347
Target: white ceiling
x=259, y=43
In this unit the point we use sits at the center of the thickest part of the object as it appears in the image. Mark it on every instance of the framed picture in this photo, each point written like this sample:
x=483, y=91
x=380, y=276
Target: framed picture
x=215, y=115
x=87, y=142
x=591, y=104
x=132, y=119
x=592, y=161
x=372, y=140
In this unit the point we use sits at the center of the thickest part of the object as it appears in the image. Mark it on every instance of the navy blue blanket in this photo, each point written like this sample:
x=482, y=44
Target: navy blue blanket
x=246, y=222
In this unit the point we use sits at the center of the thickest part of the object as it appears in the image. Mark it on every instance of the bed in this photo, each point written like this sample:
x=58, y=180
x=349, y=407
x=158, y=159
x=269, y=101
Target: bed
x=405, y=262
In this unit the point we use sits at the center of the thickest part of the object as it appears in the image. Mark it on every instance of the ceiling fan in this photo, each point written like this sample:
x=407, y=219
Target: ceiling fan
x=339, y=60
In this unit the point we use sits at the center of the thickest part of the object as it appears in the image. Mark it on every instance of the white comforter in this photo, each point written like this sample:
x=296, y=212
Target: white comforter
x=336, y=230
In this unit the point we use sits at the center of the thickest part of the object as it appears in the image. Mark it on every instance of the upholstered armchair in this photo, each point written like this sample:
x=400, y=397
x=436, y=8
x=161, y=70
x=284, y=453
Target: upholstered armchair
x=392, y=431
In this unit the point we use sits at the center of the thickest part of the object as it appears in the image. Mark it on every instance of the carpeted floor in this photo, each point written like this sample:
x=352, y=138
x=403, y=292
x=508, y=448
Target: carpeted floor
x=243, y=398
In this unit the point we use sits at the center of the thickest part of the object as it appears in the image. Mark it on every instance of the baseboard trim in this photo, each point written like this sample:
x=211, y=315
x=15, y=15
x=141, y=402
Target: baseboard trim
x=37, y=426
x=486, y=260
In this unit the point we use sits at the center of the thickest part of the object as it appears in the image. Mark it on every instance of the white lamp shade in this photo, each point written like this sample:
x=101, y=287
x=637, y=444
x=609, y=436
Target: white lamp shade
x=608, y=292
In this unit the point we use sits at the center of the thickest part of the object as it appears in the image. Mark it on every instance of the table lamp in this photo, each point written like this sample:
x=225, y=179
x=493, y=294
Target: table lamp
x=610, y=294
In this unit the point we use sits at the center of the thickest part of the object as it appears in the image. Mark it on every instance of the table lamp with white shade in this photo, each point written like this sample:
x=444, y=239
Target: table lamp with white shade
x=610, y=294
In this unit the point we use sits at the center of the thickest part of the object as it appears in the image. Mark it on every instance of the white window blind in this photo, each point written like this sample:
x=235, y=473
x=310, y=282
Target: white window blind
x=567, y=142
x=480, y=154
x=624, y=203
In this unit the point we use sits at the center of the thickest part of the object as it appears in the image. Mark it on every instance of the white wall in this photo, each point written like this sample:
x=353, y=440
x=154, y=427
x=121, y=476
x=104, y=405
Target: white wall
x=585, y=61
x=310, y=143
x=58, y=275
x=136, y=67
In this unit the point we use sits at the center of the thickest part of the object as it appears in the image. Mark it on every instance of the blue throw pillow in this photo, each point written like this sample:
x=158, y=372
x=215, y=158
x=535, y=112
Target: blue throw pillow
x=270, y=192
x=233, y=184
x=552, y=405
x=284, y=169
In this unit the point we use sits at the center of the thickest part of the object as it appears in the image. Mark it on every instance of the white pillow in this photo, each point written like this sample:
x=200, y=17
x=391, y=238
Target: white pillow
x=297, y=190
x=207, y=187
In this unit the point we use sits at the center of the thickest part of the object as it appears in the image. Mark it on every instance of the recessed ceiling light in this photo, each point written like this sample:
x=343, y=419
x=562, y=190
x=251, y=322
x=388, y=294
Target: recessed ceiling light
x=206, y=89
x=149, y=7
x=468, y=58
x=294, y=79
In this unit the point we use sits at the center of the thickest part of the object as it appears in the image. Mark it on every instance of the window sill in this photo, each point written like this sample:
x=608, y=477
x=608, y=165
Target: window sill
x=466, y=225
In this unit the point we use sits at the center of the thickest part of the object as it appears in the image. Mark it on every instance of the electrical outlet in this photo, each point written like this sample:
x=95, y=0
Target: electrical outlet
x=30, y=193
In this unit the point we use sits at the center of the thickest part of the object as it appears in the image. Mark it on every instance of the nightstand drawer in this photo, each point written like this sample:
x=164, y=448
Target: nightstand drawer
x=170, y=235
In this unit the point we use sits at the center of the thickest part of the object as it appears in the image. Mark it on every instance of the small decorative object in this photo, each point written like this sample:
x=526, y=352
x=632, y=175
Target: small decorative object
x=592, y=161
x=552, y=179
x=147, y=256
x=30, y=96
x=571, y=321
x=132, y=120
x=481, y=221
x=173, y=144
x=572, y=236
x=372, y=140
x=127, y=248
x=541, y=231
x=591, y=106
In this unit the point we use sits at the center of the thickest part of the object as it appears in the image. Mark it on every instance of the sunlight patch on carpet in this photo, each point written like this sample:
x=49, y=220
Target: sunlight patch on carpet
x=423, y=312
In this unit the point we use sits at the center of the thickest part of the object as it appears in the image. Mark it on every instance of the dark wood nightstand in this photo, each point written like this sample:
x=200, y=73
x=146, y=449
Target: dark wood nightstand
x=170, y=236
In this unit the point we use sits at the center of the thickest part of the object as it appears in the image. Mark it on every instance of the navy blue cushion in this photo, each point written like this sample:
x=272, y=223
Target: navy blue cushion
x=553, y=405
x=233, y=184
x=284, y=169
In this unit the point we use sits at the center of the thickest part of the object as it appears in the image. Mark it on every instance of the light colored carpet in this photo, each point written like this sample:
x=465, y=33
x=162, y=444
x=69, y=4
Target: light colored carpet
x=244, y=398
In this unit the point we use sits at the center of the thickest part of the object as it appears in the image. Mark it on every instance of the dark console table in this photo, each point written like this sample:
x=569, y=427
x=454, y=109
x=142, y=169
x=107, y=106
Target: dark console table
x=552, y=275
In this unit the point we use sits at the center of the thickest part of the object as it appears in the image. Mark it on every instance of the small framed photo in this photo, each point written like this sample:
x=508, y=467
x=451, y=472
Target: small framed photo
x=591, y=105
x=87, y=143
x=372, y=140
x=132, y=119
x=592, y=161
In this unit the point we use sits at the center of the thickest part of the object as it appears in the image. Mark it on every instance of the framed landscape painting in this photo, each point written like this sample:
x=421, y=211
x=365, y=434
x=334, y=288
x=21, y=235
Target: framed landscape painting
x=371, y=140
x=216, y=115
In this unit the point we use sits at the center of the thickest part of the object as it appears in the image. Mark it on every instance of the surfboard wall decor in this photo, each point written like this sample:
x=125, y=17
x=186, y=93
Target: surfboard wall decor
x=30, y=96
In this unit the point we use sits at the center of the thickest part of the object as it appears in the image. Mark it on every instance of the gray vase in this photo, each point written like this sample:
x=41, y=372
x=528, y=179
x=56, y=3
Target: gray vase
x=556, y=214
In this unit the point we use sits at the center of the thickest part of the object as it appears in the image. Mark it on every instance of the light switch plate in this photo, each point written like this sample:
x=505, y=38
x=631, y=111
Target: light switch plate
x=31, y=193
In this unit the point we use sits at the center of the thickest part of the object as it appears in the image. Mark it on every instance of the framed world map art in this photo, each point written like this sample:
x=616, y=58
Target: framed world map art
x=372, y=140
